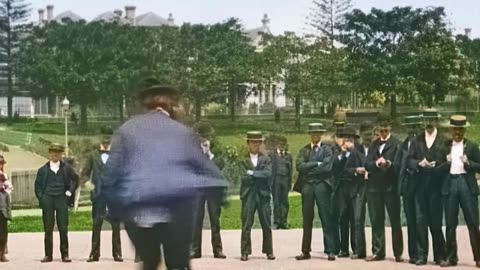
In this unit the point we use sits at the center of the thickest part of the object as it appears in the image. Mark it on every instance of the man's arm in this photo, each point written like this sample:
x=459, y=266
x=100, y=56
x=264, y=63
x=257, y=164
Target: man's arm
x=266, y=171
x=304, y=166
x=87, y=170
x=326, y=165
x=39, y=184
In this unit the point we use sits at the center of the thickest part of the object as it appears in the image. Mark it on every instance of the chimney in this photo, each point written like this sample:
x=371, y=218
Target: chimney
x=49, y=13
x=118, y=12
x=265, y=20
x=41, y=16
x=468, y=31
x=130, y=13
x=170, y=18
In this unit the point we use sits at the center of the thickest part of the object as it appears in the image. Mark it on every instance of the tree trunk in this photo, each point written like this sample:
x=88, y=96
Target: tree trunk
x=83, y=115
x=232, y=100
x=120, y=110
x=298, y=99
x=198, y=108
x=393, y=106
x=9, y=68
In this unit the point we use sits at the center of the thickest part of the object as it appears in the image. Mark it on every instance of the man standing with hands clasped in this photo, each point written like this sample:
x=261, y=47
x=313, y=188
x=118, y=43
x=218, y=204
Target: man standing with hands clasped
x=461, y=162
x=382, y=191
x=255, y=193
x=425, y=153
x=55, y=187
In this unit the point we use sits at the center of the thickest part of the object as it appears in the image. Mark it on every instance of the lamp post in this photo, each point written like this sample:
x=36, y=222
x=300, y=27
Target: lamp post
x=66, y=108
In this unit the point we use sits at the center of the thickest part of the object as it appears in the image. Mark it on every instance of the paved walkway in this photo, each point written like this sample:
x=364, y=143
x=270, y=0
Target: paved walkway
x=27, y=249
x=19, y=159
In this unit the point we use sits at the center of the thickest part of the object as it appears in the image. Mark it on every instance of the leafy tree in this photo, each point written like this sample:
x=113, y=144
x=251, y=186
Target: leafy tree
x=13, y=29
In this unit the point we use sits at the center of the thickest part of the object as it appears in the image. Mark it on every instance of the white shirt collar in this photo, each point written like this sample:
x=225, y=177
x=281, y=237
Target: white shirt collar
x=318, y=144
x=54, y=166
x=433, y=135
x=162, y=110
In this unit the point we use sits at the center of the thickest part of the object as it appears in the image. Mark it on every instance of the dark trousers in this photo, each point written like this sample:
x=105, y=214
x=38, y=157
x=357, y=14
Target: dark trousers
x=3, y=234
x=55, y=207
x=175, y=237
x=359, y=209
x=321, y=194
x=429, y=214
x=99, y=210
x=346, y=219
x=251, y=203
x=132, y=232
x=281, y=206
x=459, y=195
x=213, y=200
x=377, y=202
x=411, y=216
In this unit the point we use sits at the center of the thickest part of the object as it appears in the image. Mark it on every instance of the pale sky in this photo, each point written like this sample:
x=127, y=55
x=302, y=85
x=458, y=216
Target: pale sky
x=285, y=15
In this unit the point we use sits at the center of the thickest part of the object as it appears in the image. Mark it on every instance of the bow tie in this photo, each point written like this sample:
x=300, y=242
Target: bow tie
x=382, y=142
x=104, y=151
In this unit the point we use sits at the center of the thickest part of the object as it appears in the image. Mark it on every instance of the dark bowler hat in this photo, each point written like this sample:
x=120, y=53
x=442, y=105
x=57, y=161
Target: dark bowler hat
x=459, y=121
x=384, y=119
x=282, y=140
x=431, y=113
x=366, y=126
x=204, y=129
x=339, y=132
x=255, y=136
x=159, y=90
x=413, y=120
x=349, y=132
x=316, y=128
x=56, y=147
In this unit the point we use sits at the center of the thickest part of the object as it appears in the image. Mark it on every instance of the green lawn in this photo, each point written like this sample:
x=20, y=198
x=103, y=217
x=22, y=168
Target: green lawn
x=230, y=219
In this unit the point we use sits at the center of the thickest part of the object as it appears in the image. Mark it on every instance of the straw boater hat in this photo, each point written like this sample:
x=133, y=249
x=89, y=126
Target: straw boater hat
x=255, y=136
x=56, y=147
x=413, y=120
x=431, y=113
x=316, y=128
x=459, y=121
x=340, y=117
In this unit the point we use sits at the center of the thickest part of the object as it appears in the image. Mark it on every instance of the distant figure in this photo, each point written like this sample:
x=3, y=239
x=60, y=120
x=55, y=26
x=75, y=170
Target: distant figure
x=55, y=187
x=5, y=210
x=155, y=170
x=94, y=169
x=74, y=118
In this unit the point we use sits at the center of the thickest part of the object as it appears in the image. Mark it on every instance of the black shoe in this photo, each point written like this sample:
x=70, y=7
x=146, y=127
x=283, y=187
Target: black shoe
x=421, y=262
x=138, y=259
x=358, y=257
x=477, y=264
x=448, y=264
x=3, y=258
x=399, y=259
x=439, y=262
x=270, y=257
x=66, y=259
x=343, y=254
x=219, y=255
x=412, y=261
x=93, y=259
x=375, y=258
x=46, y=259
x=118, y=258
x=244, y=258
x=303, y=256
x=331, y=257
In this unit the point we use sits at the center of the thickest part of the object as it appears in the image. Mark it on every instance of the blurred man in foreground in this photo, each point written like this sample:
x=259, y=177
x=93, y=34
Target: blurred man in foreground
x=155, y=170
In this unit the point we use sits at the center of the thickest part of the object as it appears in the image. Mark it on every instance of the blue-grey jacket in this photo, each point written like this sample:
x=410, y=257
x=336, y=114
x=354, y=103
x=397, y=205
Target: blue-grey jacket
x=155, y=162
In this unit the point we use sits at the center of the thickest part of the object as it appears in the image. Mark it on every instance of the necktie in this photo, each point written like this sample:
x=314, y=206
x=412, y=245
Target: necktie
x=382, y=142
x=313, y=150
x=282, y=154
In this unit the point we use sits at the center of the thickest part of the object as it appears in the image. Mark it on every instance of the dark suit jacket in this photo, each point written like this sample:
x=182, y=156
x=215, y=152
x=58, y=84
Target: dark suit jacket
x=382, y=179
x=94, y=169
x=473, y=154
x=261, y=180
x=308, y=168
x=354, y=161
x=274, y=157
x=418, y=151
x=155, y=163
x=71, y=181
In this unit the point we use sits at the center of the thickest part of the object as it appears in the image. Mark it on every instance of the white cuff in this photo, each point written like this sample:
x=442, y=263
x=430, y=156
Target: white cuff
x=68, y=193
